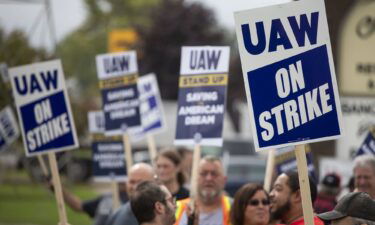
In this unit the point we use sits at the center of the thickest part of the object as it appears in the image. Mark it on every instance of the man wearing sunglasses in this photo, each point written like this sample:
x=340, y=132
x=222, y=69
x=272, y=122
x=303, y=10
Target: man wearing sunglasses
x=153, y=204
x=286, y=200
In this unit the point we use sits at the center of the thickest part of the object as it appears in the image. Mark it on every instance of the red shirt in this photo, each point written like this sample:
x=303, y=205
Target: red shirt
x=317, y=221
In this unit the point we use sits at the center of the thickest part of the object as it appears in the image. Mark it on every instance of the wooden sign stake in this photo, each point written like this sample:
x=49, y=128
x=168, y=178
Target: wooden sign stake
x=151, y=147
x=128, y=152
x=194, y=172
x=115, y=196
x=308, y=214
x=269, y=170
x=43, y=165
x=57, y=188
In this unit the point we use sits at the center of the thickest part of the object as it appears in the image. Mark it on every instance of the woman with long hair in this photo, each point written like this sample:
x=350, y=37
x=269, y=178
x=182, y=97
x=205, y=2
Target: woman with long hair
x=251, y=206
x=169, y=173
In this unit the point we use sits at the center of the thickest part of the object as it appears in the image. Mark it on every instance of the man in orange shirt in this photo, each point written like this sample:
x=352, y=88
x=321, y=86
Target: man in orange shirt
x=286, y=200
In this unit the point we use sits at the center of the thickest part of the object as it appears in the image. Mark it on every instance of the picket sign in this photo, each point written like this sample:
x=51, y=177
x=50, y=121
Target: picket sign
x=45, y=116
x=202, y=95
x=269, y=170
x=304, y=184
x=290, y=80
x=368, y=145
x=58, y=190
x=152, y=112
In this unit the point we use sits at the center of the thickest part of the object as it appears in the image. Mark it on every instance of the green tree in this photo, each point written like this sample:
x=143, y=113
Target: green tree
x=79, y=48
x=177, y=23
x=15, y=50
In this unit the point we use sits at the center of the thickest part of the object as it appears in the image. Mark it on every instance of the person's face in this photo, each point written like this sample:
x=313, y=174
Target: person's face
x=343, y=221
x=257, y=210
x=280, y=197
x=364, y=180
x=211, y=180
x=136, y=177
x=166, y=170
x=170, y=208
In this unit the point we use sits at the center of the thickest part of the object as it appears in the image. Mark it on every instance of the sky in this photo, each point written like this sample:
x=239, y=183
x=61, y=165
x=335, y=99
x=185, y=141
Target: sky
x=70, y=14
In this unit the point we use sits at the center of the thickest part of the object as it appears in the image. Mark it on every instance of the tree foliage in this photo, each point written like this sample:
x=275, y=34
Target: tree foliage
x=176, y=23
x=15, y=50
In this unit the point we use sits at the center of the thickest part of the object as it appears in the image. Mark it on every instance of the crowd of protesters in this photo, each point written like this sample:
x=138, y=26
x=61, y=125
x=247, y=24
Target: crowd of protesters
x=158, y=195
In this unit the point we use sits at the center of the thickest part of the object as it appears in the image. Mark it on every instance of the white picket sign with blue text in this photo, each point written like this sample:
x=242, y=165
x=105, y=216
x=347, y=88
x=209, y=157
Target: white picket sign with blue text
x=8, y=128
x=289, y=74
x=43, y=107
x=151, y=106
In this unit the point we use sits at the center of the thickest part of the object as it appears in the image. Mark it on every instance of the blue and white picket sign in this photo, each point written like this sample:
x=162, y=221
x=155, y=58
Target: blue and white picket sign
x=96, y=122
x=4, y=72
x=43, y=107
x=289, y=74
x=118, y=74
x=108, y=160
x=202, y=95
x=368, y=145
x=152, y=113
x=9, y=131
x=285, y=160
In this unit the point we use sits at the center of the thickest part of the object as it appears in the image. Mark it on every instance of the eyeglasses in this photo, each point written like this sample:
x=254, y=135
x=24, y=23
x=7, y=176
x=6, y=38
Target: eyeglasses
x=256, y=202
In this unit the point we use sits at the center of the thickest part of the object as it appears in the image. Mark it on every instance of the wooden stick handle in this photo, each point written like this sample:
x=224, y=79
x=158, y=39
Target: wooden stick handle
x=194, y=175
x=43, y=165
x=194, y=172
x=115, y=195
x=269, y=170
x=151, y=147
x=128, y=152
x=304, y=184
x=57, y=188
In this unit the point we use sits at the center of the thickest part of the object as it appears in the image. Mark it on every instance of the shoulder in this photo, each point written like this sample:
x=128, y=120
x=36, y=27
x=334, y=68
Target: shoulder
x=124, y=215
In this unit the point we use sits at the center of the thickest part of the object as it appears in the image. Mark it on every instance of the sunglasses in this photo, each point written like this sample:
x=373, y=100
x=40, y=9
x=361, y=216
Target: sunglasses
x=256, y=202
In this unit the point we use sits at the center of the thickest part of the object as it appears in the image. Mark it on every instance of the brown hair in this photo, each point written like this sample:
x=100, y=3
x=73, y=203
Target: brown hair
x=241, y=199
x=173, y=156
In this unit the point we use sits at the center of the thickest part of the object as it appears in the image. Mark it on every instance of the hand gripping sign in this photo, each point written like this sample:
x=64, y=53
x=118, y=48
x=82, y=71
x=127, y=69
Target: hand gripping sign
x=289, y=74
x=118, y=74
x=8, y=128
x=43, y=107
x=202, y=95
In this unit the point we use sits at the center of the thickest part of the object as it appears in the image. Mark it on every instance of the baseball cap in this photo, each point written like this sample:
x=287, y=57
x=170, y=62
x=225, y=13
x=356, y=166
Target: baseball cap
x=355, y=204
x=332, y=180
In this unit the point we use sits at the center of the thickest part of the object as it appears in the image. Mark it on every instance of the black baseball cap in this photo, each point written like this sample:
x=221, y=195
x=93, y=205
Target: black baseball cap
x=332, y=180
x=355, y=204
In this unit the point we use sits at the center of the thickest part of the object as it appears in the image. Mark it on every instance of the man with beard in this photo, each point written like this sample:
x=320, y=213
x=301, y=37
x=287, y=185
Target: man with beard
x=153, y=204
x=364, y=174
x=211, y=203
x=286, y=200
